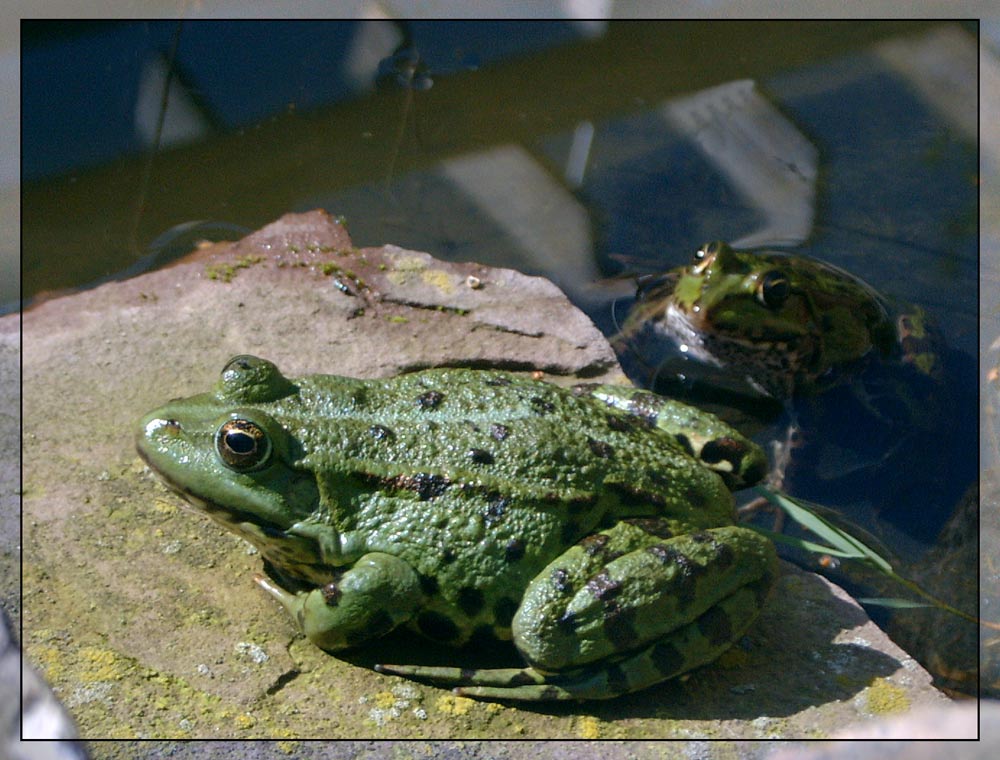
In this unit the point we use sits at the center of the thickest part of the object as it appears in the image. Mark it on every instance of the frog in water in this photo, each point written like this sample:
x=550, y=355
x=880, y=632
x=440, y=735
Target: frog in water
x=786, y=325
x=592, y=526
x=859, y=379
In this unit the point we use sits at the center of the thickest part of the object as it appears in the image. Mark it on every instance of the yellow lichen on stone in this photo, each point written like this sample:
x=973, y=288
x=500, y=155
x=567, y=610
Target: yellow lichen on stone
x=245, y=720
x=439, y=279
x=588, y=727
x=49, y=660
x=404, y=269
x=101, y=665
x=384, y=699
x=453, y=705
x=883, y=697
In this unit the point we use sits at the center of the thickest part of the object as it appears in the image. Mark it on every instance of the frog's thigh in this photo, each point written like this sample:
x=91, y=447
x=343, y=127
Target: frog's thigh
x=605, y=598
x=376, y=594
x=711, y=441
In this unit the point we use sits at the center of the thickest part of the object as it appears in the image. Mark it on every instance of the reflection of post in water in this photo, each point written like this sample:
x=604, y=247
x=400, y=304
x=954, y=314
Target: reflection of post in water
x=147, y=168
x=766, y=158
x=405, y=68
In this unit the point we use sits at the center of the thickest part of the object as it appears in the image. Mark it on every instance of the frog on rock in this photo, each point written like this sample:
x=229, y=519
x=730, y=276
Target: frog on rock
x=592, y=526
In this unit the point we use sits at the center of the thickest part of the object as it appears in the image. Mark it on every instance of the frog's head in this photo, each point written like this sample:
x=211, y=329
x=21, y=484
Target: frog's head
x=782, y=322
x=227, y=456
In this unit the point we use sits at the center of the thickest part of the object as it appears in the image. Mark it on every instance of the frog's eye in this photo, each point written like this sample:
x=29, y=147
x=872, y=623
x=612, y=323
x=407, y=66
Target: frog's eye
x=242, y=445
x=773, y=289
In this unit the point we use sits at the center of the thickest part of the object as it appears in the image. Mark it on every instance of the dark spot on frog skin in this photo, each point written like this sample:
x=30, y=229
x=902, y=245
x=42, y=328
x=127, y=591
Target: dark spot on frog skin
x=727, y=449
x=617, y=680
x=654, y=526
x=524, y=679
x=567, y=622
x=379, y=625
x=498, y=380
x=331, y=594
x=658, y=478
x=503, y=612
x=381, y=433
x=582, y=504
x=560, y=580
x=499, y=432
x=541, y=405
x=594, y=543
x=428, y=584
x=436, y=626
x=685, y=443
x=447, y=556
x=684, y=581
x=430, y=399
x=514, y=550
x=666, y=658
x=471, y=600
x=483, y=637
x=570, y=531
x=479, y=456
x=715, y=626
x=620, y=629
x=427, y=485
x=633, y=492
x=603, y=587
x=695, y=497
x=724, y=557
x=626, y=423
x=496, y=506
x=600, y=448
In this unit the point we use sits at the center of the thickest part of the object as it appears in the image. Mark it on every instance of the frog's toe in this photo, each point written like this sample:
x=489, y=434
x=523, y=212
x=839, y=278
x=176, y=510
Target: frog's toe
x=449, y=676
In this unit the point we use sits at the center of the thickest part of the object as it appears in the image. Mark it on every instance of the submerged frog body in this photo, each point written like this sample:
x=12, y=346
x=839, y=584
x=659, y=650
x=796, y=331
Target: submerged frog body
x=786, y=325
x=592, y=526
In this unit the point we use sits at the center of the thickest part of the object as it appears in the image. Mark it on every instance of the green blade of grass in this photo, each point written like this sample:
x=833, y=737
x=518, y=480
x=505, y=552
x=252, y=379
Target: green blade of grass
x=834, y=536
x=894, y=602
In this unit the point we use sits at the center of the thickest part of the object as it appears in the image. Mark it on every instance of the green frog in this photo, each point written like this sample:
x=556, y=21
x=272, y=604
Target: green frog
x=592, y=526
x=785, y=325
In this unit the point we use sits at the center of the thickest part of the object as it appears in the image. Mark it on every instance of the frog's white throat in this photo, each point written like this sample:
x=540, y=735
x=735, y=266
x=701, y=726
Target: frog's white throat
x=690, y=338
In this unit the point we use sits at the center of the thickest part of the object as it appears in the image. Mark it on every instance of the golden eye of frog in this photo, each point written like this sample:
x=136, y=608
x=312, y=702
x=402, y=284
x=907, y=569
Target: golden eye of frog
x=591, y=527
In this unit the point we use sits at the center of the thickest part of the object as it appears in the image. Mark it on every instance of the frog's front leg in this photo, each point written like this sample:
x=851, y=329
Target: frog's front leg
x=377, y=593
x=624, y=609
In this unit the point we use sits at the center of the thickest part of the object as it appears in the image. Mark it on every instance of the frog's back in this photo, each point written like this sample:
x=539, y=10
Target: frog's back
x=446, y=428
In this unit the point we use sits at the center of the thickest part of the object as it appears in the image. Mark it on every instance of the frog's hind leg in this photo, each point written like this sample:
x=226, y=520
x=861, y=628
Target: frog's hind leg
x=688, y=647
x=715, y=444
x=626, y=608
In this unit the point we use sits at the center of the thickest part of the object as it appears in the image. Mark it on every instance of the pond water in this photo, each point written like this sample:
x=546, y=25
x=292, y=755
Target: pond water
x=585, y=152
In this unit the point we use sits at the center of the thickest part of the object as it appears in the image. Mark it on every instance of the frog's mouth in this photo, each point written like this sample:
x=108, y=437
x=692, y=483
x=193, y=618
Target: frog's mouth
x=238, y=520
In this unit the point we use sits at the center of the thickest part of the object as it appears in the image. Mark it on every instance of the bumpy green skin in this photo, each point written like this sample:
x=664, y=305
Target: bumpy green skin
x=787, y=324
x=593, y=526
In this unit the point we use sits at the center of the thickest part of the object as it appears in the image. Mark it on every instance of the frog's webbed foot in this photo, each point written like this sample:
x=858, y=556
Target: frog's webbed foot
x=688, y=647
x=369, y=599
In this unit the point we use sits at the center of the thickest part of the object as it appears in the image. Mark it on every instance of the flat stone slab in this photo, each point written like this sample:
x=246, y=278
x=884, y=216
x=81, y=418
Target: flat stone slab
x=143, y=616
